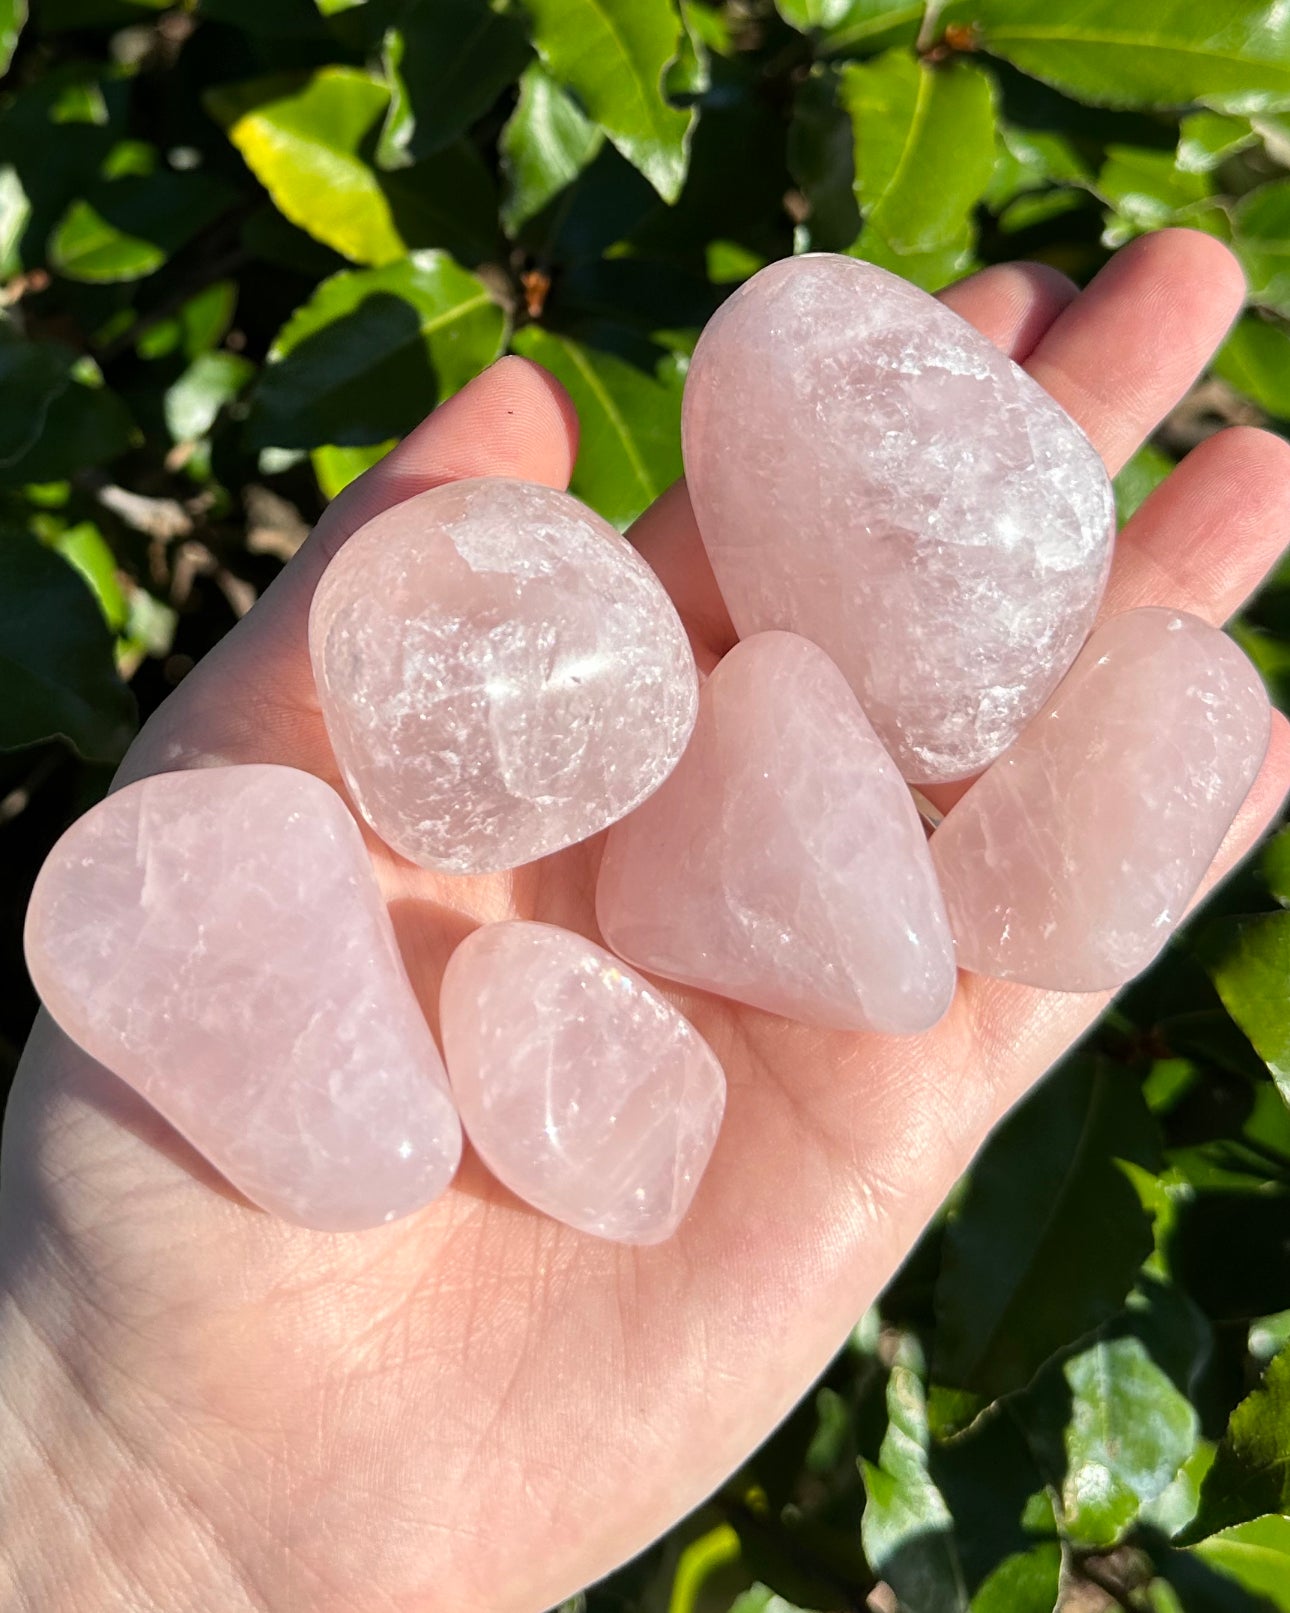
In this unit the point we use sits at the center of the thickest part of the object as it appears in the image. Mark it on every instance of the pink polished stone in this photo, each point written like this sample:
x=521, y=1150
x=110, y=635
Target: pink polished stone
x=500, y=673
x=1070, y=862
x=217, y=939
x=581, y=1088
x=784, y=864
x=869, y=471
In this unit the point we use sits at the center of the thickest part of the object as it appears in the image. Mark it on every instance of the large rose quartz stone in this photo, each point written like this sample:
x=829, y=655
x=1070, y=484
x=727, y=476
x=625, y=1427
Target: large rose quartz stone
x=217, y=940
x=581, y=1088
x=869, y=471
x=500, y=673
x=1071, y=861
x=784, y=864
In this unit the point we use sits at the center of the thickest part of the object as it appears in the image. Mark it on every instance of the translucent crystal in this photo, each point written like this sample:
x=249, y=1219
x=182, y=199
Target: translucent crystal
x=500, y=673
x=869, y=471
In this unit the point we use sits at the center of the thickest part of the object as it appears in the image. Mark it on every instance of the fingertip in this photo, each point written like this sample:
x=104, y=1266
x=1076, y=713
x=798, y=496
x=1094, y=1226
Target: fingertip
x=1194, y=263
x=545, y=419
x=1012, y=304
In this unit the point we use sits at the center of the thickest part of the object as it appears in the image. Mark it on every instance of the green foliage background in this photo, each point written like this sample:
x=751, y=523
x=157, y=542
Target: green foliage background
x=245, y=244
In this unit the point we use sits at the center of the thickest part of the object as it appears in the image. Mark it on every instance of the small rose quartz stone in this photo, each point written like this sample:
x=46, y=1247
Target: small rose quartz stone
x=784, y=863
x=869, y=471
x=1071, y=861
x=581, y=1088
x=500, y=673
x=217, y=939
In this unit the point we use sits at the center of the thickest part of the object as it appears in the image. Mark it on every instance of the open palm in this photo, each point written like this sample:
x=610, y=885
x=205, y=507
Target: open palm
x=477, y=1408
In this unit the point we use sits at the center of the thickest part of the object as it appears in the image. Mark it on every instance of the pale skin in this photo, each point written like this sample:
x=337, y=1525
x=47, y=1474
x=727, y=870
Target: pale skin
x=477, y=1409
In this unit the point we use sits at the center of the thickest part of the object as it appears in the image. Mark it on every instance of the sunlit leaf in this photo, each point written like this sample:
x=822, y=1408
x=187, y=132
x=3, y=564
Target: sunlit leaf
x=545, y=144
x=1251, y=1472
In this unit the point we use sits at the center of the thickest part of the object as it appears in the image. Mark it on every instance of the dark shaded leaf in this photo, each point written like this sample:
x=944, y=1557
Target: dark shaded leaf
x=372, y=351
x=56, y=662
x=1251, y=1472
x=128, y=228
x=1209, y=1226
x=1049, y=1235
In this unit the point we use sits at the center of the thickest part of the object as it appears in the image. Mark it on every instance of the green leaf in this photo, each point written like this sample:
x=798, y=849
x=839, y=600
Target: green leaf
x=1233, y=57
x=372, y=351
x=1248, y=959
x=1209, y=1224
x=821, y=157
x=1256, y=1555
x=544, y=145
x=630, y=442
x=1145, y=190
x=15, y=214
x=56, y=416
x=196, y=398
x=1026, y=1582
x=447, y=61
x=1050, y=1233
x=613, y=55
x=1251, y=1472
x=84, y=547
x=1030, y=160
x=304, y=141
x=844, y=27
x=1275, y=865
x=336, y=468
x=924, y=155
x=1139, y=478
x=13, y=14
x=128, y=227
x=1207, y=139
x=762, y=1600
x=1130, y=1431
x=907, y=1530
x=56, y=663
x=1255, y=359
x=1261, y=239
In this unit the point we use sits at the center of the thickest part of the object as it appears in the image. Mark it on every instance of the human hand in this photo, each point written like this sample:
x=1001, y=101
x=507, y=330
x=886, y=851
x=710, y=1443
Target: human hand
x=477, y=1408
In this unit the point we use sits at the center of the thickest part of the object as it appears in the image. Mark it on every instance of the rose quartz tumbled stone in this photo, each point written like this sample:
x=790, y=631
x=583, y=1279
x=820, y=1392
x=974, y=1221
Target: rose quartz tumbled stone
x=869, y=471
x=1070, y=862
x=783, y=863
x=500, y=673
x=217, y=939
x=581, y=1088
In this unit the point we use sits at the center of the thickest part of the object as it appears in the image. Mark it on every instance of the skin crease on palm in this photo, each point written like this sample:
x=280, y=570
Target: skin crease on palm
x=477, y=1409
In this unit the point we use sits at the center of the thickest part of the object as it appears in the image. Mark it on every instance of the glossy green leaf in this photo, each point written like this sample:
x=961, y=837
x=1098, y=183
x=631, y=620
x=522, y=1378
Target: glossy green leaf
x=305, y=141
x=1233, y=57
x=1130, y=1430
x=446, y=61
x=762, y=1600
x=924, y=155
x=846, y=27
x=56, y=664
x=1029, y=160
x=372, y=351
x=13, y=14
x=1251, y=1472
x=84, y=547
x=1145, y=191
x=194, y=401
x=15, y=215
x=1248, y=959
x=1139, y=478
x=1049, y=1234
x=1255, y=359
x=1256, y=1555
x=907, y=1530
x=630, y=443
x=1207, y=139
x=1026, y=1582
x=613, y=55
x=1261, y=239
x=545, y=144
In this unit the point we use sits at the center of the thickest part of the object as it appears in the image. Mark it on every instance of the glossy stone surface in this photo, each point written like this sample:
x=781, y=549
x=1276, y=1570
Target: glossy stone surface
x=217, y=939
x=1071, y=861
x=500, y=673
x=869, y=471
x=581, y=1088
x=784, y=864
